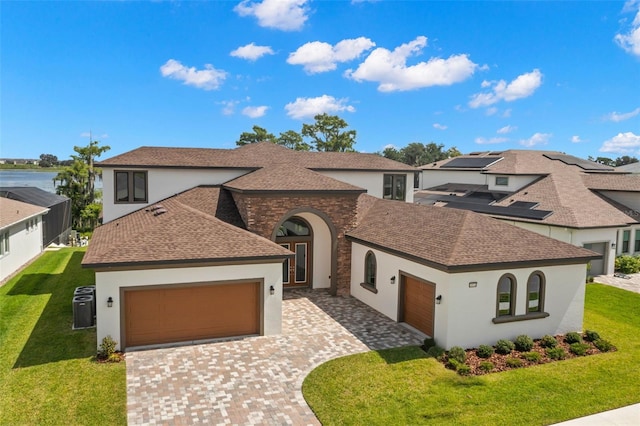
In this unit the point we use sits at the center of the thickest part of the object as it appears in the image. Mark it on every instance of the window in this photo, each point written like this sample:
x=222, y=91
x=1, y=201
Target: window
x=502, y=181
x=535, y=292
x=636, y=247
x=131, y=187
x=394, y=187
x=625, y=241
x=506, y=296
x=370, y=269
x=4, y=244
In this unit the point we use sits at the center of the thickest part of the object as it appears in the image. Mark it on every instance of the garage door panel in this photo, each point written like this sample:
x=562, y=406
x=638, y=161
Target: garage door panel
x=165, y=315
x=419, y=304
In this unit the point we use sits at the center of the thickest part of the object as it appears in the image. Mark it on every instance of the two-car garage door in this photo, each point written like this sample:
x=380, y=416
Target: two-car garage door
x=170, y=314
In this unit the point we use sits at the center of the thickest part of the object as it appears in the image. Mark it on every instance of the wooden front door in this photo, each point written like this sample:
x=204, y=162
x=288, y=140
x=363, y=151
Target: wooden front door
x=418, y=304
x=295, y=272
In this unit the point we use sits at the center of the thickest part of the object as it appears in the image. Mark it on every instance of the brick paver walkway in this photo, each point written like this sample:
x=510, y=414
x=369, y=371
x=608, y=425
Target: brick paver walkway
x=256, y=380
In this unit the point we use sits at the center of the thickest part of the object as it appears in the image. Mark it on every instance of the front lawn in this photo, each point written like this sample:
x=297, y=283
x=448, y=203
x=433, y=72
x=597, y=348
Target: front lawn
x=402, y=386
x=48, y=374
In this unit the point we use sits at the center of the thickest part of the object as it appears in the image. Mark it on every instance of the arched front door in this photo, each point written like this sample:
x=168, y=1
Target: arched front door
x=295, y=234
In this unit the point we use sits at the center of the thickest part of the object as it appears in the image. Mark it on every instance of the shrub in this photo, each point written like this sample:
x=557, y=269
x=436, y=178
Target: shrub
x=107, y=347
x=523, y=343
x=572, y=337
x=532, y=356
x=627, y=264
x=452, y=364
x=436, y=352
x=429, y=343
x=504, y=346
x=556, y=353
x=484, y=351
x=603, y=345
x=458, y=354
x=464, y=370
x=513, y=362
x=486, y=366
x=591, y=336
x=579, y=349
x=548, y=341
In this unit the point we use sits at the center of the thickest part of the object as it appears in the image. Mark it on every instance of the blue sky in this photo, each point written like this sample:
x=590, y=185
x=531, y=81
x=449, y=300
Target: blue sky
x=475, y=75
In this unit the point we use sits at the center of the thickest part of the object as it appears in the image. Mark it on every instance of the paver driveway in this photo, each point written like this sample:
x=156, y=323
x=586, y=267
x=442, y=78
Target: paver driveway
x=256, y=380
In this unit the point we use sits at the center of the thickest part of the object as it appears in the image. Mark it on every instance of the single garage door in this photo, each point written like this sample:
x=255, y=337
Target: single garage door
x=186, y=313
x=418, y=304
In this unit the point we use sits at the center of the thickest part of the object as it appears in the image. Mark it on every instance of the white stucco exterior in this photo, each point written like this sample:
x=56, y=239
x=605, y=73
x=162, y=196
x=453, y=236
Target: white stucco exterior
x=435, y=177
x=464, y=318
x=24, y=245
x=161, y=184
x=109, y=283
x=321, y=252
x=372, y=181
x=515, y=182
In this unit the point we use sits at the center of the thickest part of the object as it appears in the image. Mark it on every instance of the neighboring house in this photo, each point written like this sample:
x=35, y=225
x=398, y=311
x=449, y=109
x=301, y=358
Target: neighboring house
x=201, y=243
x=20, y=235
x=56, y=225
x=563, y=197
x=629, y=168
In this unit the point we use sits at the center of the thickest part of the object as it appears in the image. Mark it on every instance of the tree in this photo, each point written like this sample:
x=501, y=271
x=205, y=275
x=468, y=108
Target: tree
x=259, y=135
x=77, y=182
x=625, y=159
x=327, y=135
x=418, y=154
x=293, y=140
x=48, y=160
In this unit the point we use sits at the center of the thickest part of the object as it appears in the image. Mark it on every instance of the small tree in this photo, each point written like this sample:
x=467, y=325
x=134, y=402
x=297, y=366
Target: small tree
x=259, y=134
x=327, y=134
x=48, y=160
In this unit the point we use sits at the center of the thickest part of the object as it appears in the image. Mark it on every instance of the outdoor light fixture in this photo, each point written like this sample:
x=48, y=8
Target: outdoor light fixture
x=272, y=290
x=439, y=299
x=393, y=279
x=110, y=302
x=613, y=245
x=473, y=284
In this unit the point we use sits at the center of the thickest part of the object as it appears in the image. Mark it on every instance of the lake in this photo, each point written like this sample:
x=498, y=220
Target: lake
x=42, y=180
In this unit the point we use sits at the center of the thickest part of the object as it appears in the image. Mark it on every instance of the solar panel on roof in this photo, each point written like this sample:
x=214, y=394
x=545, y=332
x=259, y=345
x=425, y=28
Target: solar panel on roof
x=501, y=211
x=575, y=161
x=469, y=163
x=524, y=204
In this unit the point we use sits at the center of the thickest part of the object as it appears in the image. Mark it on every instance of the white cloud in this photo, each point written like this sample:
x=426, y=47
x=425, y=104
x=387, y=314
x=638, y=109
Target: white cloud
x=252, y=52
x=506, y=113
x=576, y=139
x=630, y=41
x=485, y=141
x=440, y=126
x=228, y=107
x=207, y=79
x=317, y=56
x=521, y=87
x=286, y=15
x=390, y=146
x=310, y=107
x=536, y=139
x=622, y=143
x=506, y=129
x=390, y=69
x=255, y=112
x=491, y=111
x=617, y=116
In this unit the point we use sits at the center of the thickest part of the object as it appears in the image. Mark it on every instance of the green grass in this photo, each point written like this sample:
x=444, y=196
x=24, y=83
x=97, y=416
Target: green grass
x=402, y=386
x=48, y=374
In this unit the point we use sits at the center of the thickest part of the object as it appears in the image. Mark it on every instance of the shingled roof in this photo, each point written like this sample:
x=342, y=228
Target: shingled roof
x=192, y=227
x=12, y=212
x=251, y=156
x=457, y=240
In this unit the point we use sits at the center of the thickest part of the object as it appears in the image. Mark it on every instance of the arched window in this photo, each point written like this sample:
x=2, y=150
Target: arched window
x=535, y=292
x=370, y=267
x=506, y=298
x=294, y=227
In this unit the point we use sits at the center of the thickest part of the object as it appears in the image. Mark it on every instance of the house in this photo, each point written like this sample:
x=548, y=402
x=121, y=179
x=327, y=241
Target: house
x=564, y=197
x=56, y=225
x=629, y=168
x=20, y=235
x=200, y=244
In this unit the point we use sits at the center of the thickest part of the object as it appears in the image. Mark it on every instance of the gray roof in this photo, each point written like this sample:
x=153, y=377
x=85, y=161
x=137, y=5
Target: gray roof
x=31, y=195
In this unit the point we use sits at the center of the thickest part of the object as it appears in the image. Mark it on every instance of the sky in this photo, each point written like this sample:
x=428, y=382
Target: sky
x=474, y=75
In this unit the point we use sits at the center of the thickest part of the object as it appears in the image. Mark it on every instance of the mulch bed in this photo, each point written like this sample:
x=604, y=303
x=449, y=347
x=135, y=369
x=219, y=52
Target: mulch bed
x=115, y=357
x=500, y=361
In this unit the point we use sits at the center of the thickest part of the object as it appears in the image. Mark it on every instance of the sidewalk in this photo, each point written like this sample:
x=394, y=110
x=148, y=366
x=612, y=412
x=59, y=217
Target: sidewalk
x=625, y=416
x=632, y=283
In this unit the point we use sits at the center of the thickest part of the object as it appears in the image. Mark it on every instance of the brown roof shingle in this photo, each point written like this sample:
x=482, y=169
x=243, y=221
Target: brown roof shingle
x=12, y=211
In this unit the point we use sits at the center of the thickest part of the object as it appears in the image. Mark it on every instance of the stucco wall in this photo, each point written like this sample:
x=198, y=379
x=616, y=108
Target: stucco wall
x=108, y=284
x=321, y=253
x=23, y=246
x=371, y=181
x=161, y=184
x=464, y=318
x=515, y=182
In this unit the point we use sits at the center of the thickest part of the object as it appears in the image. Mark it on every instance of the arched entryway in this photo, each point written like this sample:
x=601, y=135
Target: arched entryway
x=296, y=235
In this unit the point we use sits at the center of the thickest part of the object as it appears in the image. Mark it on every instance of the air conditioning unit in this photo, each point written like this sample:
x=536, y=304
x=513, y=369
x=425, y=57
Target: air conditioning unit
x=87, y=290
x=83, y=311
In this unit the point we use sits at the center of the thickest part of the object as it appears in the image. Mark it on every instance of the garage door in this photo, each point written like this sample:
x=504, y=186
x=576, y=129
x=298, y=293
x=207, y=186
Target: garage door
x=186, y=313
x=419, y=304
x=597, y=265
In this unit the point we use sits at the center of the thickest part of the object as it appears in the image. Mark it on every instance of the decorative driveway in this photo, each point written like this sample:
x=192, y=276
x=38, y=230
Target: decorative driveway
x=256, y=380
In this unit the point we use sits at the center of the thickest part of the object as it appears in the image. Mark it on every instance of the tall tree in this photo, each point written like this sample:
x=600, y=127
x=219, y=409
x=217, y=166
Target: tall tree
x=48, y=160
x=418, y=154
x=259, y=134
x=293, y=140
x=625, y=159
x=327, y=134
x=77, y=182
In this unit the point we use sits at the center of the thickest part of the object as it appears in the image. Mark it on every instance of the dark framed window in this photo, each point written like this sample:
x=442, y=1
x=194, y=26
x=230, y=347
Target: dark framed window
x=502, y=180
x=394, y=187
x=370, y=269
x=626, y=236
x=636, y=247
x=130, y=186
x=535, y=292
x=4, y=244
x=506, y=297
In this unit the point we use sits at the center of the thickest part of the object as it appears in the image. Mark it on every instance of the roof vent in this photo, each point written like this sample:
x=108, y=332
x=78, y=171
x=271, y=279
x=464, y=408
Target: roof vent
x=159, y=211
x=157, y=207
